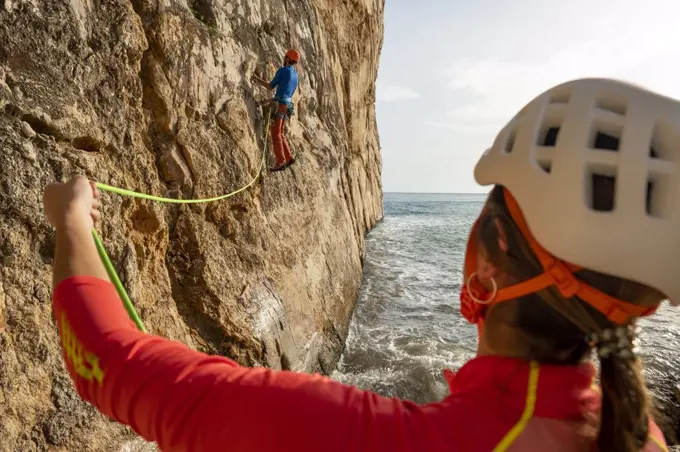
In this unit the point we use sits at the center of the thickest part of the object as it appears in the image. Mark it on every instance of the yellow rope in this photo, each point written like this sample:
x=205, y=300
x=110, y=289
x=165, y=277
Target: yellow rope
x=529, y=406
x=134, y=194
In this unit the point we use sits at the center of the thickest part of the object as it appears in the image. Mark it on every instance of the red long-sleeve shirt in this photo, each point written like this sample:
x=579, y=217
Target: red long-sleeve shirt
x=189, y=401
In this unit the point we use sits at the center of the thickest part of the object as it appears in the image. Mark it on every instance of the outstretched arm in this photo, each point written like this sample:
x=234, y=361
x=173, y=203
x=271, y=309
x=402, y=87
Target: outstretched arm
x=186, y=400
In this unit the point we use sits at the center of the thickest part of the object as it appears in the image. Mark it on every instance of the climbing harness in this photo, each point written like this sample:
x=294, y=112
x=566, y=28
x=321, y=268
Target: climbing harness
x=288, y=102
x=127, y=303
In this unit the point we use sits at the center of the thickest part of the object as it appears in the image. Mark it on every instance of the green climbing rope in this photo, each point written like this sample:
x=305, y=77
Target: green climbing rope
x=116, y=282
x=134, y=194
x=122, y=293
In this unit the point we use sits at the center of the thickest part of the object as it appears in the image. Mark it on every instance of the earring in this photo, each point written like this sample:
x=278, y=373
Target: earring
x=474, y=298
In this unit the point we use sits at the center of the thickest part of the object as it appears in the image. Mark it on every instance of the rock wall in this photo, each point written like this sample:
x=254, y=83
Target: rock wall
x=155, y=96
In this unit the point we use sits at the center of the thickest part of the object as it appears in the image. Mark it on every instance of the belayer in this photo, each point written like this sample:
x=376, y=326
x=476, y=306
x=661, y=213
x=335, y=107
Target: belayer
x=285, y=82
x=574, y=243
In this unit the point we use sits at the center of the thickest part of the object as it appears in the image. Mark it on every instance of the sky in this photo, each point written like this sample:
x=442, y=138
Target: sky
x=453, y=72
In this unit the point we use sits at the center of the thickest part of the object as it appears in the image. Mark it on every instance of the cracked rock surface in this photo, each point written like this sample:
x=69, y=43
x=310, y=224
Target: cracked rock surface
x=154, y=95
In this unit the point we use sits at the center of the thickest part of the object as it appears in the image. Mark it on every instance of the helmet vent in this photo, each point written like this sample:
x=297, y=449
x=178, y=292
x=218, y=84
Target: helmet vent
x=665, y=142
x=661, y=187
x=510, y=142
x=659, y=195
x=560, y=97
x=601, y=176
x=547, y=139
x=605, y=136
x=601, y=187
x=547, y=136
x=612, y=104
x=546, y=165
x=550, y=126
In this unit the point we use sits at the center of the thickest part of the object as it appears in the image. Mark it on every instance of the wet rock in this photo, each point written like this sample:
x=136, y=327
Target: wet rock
x=156, y=97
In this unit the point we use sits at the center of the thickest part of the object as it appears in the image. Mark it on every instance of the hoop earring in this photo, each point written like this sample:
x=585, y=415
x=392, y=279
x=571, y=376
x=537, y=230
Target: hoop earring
x=477, y=300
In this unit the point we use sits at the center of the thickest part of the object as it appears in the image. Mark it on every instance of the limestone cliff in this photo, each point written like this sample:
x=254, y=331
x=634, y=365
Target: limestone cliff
x=155, y=96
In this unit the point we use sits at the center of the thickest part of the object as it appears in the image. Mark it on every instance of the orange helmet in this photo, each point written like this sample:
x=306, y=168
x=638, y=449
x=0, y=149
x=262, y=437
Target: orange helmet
x=293, y=55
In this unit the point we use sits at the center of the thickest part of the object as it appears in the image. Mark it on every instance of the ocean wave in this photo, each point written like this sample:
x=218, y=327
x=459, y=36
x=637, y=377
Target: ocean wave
x=406, y=327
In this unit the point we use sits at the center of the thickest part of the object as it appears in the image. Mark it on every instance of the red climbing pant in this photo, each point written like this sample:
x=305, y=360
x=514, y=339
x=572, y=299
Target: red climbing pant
x=279, y=142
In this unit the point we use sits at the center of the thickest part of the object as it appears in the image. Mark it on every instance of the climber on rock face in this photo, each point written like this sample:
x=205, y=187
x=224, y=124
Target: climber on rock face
x=285, y=82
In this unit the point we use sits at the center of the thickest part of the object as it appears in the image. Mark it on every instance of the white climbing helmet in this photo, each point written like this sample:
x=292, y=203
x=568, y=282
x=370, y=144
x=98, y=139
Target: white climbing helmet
x=552, y=184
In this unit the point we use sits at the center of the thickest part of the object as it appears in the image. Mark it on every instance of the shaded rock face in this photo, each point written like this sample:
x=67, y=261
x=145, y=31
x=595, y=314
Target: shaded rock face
x=154, y=95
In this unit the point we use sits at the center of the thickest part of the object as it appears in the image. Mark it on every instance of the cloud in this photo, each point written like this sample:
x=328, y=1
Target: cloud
x=500, y=88
x=389, y=93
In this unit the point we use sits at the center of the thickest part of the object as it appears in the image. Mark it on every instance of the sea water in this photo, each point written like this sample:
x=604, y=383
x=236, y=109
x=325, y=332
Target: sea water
x=407, y=326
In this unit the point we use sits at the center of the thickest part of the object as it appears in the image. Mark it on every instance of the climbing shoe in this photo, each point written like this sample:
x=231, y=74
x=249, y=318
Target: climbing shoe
x=280, y=167
x=290, y=162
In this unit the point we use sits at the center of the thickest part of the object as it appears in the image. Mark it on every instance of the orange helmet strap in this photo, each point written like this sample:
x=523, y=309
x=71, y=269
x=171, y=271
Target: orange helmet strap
x=561, y=275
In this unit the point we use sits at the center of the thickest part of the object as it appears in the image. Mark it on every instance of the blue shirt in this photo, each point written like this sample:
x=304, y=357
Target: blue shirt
x=285, y=81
